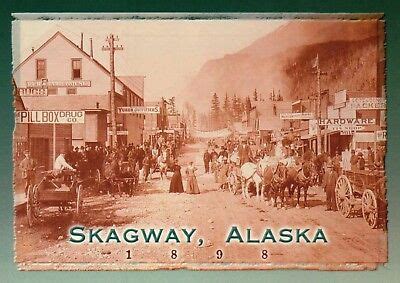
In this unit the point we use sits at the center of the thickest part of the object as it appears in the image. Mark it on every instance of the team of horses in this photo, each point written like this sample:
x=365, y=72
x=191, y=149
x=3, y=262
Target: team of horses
x=276, y=181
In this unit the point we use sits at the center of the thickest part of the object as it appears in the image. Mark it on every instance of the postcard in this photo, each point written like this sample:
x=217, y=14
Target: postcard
x=203, y=142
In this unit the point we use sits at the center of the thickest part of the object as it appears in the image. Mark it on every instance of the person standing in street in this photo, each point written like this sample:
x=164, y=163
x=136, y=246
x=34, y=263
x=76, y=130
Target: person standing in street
x=146, y=167
x=329, y=183
x=370, y=158
x=176, y=185
x=192, y=185
x=206, y=160
x=28, y=167
x=244, y=153
x=353, y=160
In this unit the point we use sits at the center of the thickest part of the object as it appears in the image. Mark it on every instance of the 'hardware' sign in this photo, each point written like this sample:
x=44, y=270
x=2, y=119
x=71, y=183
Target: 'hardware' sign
x=139, y=110
x=350, y=121
x=50, y=117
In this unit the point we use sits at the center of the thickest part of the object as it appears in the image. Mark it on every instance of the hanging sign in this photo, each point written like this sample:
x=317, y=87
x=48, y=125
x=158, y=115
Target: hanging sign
x=296, y=116
x=139, y=110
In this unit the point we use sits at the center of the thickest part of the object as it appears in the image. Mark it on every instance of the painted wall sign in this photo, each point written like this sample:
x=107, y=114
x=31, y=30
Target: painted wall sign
x=368, y=103
x=50, y=117
x=297, y=116
x=380, y=135
x=341, y=121
x=32, y=91
x=139, y=110
x=45, y=83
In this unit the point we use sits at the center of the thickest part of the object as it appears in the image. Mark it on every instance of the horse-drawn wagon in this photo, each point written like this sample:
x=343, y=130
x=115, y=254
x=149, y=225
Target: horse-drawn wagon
x=365, y=190
x=63, y=190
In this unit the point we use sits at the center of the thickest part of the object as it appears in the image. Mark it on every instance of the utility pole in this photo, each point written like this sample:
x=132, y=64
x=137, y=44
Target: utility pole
x=111, y=47
x=318, y=104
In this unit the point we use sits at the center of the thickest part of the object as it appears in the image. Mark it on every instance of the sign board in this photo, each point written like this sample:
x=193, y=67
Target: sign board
x=350, y=121
x=347, y=133
x=346, y=128
x=366, y=103
x=119, y=133
x=50, y=117
x=297, y=116
x=312, y=127
x=340, y=97
x=32, y=91
x=380, y=135
x=46, y=83
x=139, y=110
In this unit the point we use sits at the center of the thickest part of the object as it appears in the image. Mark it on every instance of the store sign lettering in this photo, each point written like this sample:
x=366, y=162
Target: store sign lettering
x=50, y=117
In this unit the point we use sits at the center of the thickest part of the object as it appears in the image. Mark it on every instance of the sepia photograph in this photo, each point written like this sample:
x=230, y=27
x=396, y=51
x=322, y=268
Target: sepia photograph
x=201, y=142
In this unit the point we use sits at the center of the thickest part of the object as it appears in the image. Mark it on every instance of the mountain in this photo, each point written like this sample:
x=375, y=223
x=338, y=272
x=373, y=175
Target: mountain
x=283, y=59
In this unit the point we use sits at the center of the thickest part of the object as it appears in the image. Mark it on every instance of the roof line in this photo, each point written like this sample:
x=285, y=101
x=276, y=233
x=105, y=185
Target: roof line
x=76, y=47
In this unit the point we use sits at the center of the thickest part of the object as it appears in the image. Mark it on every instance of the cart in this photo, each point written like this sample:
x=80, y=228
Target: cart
x=63, y=190
x=363, y=190
x=128, y=177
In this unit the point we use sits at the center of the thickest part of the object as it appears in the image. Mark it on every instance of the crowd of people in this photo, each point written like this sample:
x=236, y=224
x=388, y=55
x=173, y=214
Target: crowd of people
x=224, y=160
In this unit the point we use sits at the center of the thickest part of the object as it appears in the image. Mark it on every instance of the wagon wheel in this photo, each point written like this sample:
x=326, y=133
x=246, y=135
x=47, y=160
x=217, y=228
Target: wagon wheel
x=370, y=208
x=31, y=202
x=79, y=200
x=344, y=194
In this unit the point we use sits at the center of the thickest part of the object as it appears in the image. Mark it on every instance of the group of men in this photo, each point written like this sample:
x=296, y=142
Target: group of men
x=89, y=160
x=234, y=153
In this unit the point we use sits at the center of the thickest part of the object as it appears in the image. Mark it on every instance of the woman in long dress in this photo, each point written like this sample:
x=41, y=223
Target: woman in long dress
x=192, y=186
x=176, y=185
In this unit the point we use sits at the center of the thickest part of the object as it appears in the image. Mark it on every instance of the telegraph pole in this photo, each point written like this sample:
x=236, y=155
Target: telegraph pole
x=318, y=105
x=111, y=47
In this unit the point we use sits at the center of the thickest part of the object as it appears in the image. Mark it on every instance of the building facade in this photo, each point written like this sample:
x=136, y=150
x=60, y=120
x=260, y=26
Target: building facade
x=60, y=75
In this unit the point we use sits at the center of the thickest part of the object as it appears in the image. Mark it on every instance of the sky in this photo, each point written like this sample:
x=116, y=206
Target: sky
x=168, y=52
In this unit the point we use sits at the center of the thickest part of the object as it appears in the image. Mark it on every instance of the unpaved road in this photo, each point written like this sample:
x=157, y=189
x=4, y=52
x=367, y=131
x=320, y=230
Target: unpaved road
x=212, y=213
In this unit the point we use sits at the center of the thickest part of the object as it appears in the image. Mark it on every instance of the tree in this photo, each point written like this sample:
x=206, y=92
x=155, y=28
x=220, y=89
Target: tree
x=227, y=108
x=236, y=108
x=255, y=95
x=215, y=112
x=248, y=104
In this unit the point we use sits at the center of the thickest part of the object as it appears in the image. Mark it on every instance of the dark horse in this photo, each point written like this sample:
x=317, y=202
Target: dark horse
x=273, y=183
x=300, y=179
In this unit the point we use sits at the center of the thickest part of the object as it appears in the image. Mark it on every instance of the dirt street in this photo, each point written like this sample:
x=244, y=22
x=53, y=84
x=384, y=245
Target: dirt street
x=212, y=213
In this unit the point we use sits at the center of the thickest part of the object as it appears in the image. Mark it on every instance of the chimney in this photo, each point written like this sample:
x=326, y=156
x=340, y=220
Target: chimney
x=33, y=49
x=91, y=48
x=82, y=40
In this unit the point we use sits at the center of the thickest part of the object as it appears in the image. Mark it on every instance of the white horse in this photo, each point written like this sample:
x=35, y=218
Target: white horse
x=250, y=175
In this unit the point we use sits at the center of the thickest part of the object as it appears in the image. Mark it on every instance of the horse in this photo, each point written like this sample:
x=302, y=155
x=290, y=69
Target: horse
x=301, y=178
x=274, y=177
x=249, y=175
x=162, y=165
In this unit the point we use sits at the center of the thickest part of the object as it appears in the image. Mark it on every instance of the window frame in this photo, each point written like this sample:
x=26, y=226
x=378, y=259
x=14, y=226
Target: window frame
x=37, y=69
x=72, y=68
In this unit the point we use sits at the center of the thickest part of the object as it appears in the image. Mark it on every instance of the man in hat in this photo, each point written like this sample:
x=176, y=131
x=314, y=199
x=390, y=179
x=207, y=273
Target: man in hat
x=223, y=173
x=28, y=167
x=361, y=161
x=353, y=160
x=244, y=153
x=60, y=163
x=206, y=160
x=336, y=162
x=329, y=183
